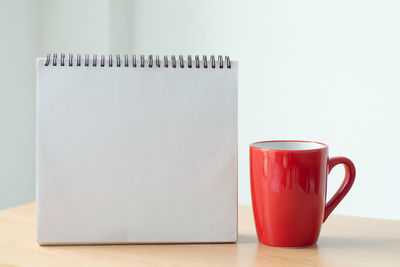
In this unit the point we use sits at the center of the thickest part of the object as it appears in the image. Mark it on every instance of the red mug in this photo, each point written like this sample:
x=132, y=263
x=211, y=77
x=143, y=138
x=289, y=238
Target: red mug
x=288, y=186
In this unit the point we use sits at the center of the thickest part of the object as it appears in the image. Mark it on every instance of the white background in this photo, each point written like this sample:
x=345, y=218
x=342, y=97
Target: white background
x=315, y=70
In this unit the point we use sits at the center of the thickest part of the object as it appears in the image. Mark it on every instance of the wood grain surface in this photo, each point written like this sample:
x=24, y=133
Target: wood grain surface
x=344, y=241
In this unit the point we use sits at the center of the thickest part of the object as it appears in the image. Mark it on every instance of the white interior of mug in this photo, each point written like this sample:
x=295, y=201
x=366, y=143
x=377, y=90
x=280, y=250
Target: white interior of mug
x=289, y=145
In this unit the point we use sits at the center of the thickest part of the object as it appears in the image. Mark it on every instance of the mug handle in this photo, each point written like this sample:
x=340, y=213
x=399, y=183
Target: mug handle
x=346, y=184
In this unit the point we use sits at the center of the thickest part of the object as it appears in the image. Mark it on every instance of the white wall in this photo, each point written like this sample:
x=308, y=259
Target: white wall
x=319, y=70
x=18, y=45
x=75, y=26
x=315, y=70
x=29, y=29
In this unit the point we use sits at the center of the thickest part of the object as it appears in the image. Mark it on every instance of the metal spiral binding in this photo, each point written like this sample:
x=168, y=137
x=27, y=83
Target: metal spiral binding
x=110, y=60
x=70, y=60
x=142, y=61
x=181, y=62
x=157, y=61
x=165, y=61
x=221, y=62
x=55, y=60
x=102, y=60
x=118, y=61
x=173, y=61
x=189, y=61
x=62, y=59
x=228, y=62
x=86, y=60
x=134, y=61
x=126, y=61
x=94, y=63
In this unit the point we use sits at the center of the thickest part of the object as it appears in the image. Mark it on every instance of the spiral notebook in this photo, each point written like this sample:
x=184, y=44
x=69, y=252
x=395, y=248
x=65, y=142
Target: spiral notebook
x=136, y=149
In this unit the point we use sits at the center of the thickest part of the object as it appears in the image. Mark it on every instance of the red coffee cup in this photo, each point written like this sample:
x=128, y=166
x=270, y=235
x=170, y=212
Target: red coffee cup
x=288, y=186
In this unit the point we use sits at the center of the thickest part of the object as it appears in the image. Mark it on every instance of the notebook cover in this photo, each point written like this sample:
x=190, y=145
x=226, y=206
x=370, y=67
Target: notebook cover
x=136, y=155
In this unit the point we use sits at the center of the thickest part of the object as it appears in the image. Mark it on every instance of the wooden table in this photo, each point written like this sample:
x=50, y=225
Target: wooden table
x=344, y=241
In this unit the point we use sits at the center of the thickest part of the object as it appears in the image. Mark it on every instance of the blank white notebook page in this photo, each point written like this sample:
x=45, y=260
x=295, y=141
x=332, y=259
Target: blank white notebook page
x=136, y=154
